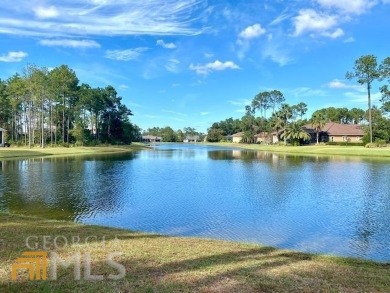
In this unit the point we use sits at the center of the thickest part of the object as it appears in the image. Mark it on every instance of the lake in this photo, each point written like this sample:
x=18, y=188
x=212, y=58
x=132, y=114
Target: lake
x=333, y=205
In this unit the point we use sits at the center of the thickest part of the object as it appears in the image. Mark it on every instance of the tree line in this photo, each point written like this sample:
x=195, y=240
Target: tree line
x=168, y=134
x=375, y=120
x=42, y=106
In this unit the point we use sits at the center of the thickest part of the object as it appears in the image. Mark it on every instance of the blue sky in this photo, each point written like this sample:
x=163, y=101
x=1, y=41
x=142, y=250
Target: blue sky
x=193, y=62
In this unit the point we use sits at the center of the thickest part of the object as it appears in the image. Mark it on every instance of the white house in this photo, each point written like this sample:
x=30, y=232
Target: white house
x=2, y=136
x=237, y=137
x=193, y=138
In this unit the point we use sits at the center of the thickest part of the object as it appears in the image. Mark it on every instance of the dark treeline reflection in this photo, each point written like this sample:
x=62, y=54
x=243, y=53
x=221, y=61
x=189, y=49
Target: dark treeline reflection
x=61, y=187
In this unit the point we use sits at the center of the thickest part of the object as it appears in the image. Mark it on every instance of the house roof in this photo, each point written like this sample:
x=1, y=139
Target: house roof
x=262, y=134
x=193, y=137
x=150, y=137
x=238, y=134
x=332, y=128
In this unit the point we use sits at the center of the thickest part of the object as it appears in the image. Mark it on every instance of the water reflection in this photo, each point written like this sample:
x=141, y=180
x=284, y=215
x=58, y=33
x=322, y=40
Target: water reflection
x=337, y=205
x=61, y=187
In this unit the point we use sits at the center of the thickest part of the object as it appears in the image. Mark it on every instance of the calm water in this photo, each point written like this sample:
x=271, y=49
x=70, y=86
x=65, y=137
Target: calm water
x=317, y=204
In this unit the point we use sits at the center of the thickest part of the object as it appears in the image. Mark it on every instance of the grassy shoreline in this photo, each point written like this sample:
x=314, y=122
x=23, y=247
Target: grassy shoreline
x=25, y=152
x=322, y=150
x=325, y=150
x=157, y=263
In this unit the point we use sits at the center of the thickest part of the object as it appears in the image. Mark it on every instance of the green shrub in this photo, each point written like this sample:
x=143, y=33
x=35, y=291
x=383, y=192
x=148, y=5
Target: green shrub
x=345, y=143
x=78, y=143
x=371, y=145
x=380, y=143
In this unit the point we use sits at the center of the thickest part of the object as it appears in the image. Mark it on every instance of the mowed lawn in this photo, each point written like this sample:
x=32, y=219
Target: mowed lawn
x=156, y=263
x=314, y=149
x=25, y=152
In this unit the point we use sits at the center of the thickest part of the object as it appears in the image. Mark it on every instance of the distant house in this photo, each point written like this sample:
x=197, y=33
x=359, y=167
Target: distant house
x=263, y=137
x=275, y=136
x=228, y=138
x=191, y=138
x=237, y=137
x=2, y=136
x=151, y=138
x=335, y=132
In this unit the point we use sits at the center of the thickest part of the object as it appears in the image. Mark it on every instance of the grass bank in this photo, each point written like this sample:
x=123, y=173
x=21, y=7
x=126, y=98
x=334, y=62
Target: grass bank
x=156, y=263
x=314, y=149
x=25, y=152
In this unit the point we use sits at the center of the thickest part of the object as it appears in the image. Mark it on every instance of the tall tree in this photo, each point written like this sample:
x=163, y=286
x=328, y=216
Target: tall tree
x=16, y=90
x=301, y=109
x=385, y=74
x=357, y=115
x=189, y=131
x=276, y=98
x=65, y=81
x=262, y=102
x=366, y=71
x=4, y=104
x=285, y=114
x=318, y=121
x=38, y=87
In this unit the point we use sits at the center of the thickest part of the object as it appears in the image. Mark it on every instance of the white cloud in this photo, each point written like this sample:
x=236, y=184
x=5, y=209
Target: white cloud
x=276, y=50
x=241, y=102
x=349, y=40
x=279, y=19
x=214, y=66
x=306, y=92
x=166, y=45
x=246, y=36
x=152, y=116
x=70, y=43
x=204, y=113
x=172, y=65
x=13, y=56
x=175, y=113
x=252, y=32
x=309, y=21
x=125, y=55
x=339, y=84
x=70, y=18
x=276, y=56
x=361, y=97
x=46, y=12
x=349, y=6
x=334, y=35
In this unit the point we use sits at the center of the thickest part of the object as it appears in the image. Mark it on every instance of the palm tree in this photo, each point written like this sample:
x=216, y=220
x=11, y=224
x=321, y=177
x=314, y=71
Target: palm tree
x=276, y=122
x=295, y=133
x=285, y=114
x=318, y=121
